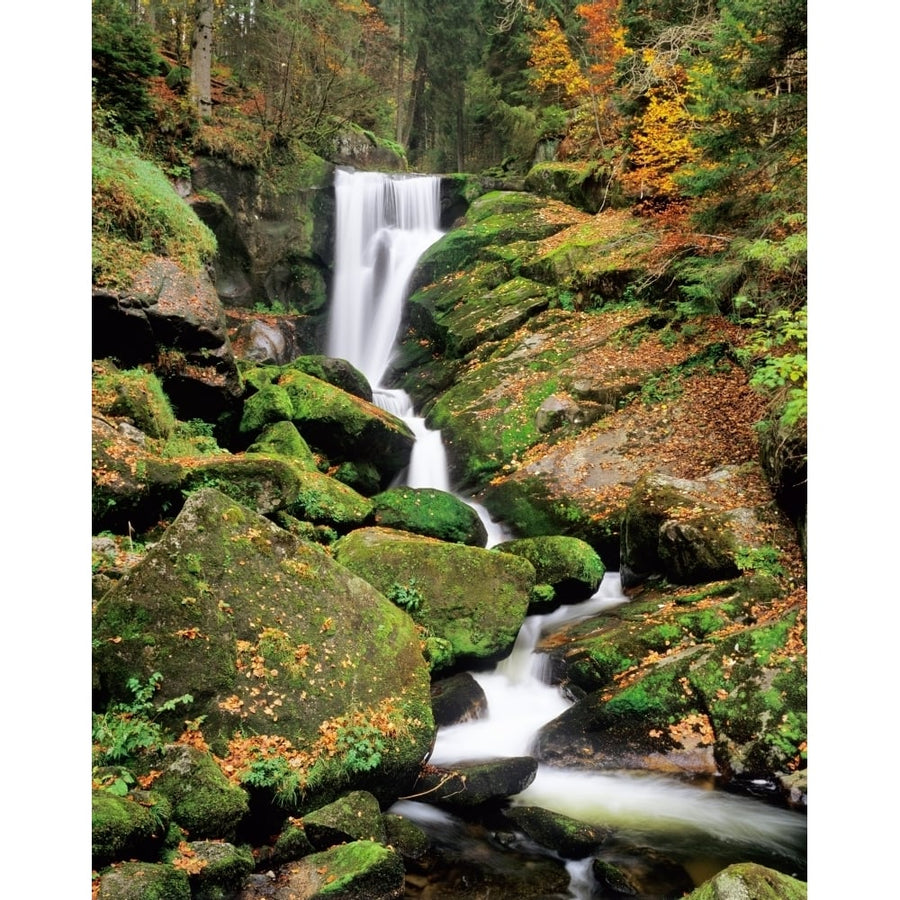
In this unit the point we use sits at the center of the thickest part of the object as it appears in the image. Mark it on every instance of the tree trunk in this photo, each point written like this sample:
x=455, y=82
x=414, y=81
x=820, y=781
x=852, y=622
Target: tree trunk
x=399, y=89
x=201, y=58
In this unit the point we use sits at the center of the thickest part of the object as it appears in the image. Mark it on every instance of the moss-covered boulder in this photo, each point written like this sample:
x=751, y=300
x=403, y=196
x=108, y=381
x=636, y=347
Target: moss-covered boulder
x=217, y=870
x=264, y=483
x=135, y=395
x=345, y=427
x=360, y=870
x=710, y=680
x=750, y=880
x=429, y=512
x=474, y=599
x=291, y=843
x=327, y=501
x=270, y=404
x=271, y=638
x=204, y=802
x=690, y=531
x=570, y=838
x=569, y=565
x=586, y=186
x=129, y=827
x=282, y=439
x=354, y=817
x=337, y=372
x=129, y=482
x=144, y=881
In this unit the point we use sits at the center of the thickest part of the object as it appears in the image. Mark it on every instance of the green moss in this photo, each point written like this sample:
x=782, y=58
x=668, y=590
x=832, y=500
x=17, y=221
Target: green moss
x=270, y=404
x=144, y=881
x=360, y=868
x=134, y=394
x=137, y=213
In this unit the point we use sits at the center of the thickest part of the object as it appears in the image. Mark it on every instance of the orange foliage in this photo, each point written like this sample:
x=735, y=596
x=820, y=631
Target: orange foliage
x=605, y=39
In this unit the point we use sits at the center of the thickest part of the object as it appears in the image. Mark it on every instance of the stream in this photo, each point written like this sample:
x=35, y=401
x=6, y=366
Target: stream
x=667, y=834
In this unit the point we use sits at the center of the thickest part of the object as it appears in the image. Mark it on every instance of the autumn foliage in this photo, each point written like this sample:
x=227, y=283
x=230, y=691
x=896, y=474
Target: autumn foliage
x=556, y=74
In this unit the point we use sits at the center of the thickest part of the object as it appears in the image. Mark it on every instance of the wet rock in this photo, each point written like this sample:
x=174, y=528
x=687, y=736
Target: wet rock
x=220, y=869
x=471, y=784
x=354, y=817
x=566, y=836
x=750, y=880
x=459, y=698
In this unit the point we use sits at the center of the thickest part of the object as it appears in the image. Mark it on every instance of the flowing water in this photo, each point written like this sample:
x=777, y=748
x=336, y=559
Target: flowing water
x=384, y=223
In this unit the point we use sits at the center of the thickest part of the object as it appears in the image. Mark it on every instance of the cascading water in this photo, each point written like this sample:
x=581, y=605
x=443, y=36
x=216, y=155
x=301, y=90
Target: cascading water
x=384, y=224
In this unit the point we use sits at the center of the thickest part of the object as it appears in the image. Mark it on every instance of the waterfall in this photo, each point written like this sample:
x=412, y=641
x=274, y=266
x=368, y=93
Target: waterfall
x=384, y=223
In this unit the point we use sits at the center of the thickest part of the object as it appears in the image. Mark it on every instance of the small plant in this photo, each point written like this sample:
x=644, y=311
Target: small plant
x=406, y=596
x=127, y=728
x=759, y=559
x=276, y=774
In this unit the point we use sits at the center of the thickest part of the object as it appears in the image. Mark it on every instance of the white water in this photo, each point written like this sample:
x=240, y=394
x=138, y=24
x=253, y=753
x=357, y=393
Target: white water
x=384, y=223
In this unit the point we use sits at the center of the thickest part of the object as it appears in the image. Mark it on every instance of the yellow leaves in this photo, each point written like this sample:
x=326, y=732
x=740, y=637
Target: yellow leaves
x=191, y=633
x=555, y=70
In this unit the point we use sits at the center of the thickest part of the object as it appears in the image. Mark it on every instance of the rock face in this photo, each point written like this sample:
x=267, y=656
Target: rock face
x=274, y=231
x=705, y=682
x=174, y=321
x=690, y=531
x=270, y=637
x=472, y=600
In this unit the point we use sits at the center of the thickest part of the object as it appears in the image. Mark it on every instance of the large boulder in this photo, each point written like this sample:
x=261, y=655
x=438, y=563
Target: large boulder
x=472, y=600
x=569, y=565
x=750, y=880
x=270, y=637
x=692, y=531
x=708, y=681
x=339, y=424
x=173, y=320
x=429, y=512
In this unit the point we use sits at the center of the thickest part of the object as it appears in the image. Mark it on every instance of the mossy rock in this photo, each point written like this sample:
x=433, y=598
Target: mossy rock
x=264, y=483
x=354, y=817
x=600, y=257
x=405, y=837
x=571, y=566
x=292, y=843
x=337, y=372
x=204, y=802
x=570, y=838
x=345, y=427
x=271, y=637
x=681, y=530
x=474, y=599
x=353, y=871
x=493, y=220
x=269, y=404
x=134, y=394
x=429, y=512
x=129, y=827
x=130, y=487
x=750, y=880
x=583, y=185
x=710, y=683
x=144, y=881
x=221, y=869
x=283, y=439
x=326, y=501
